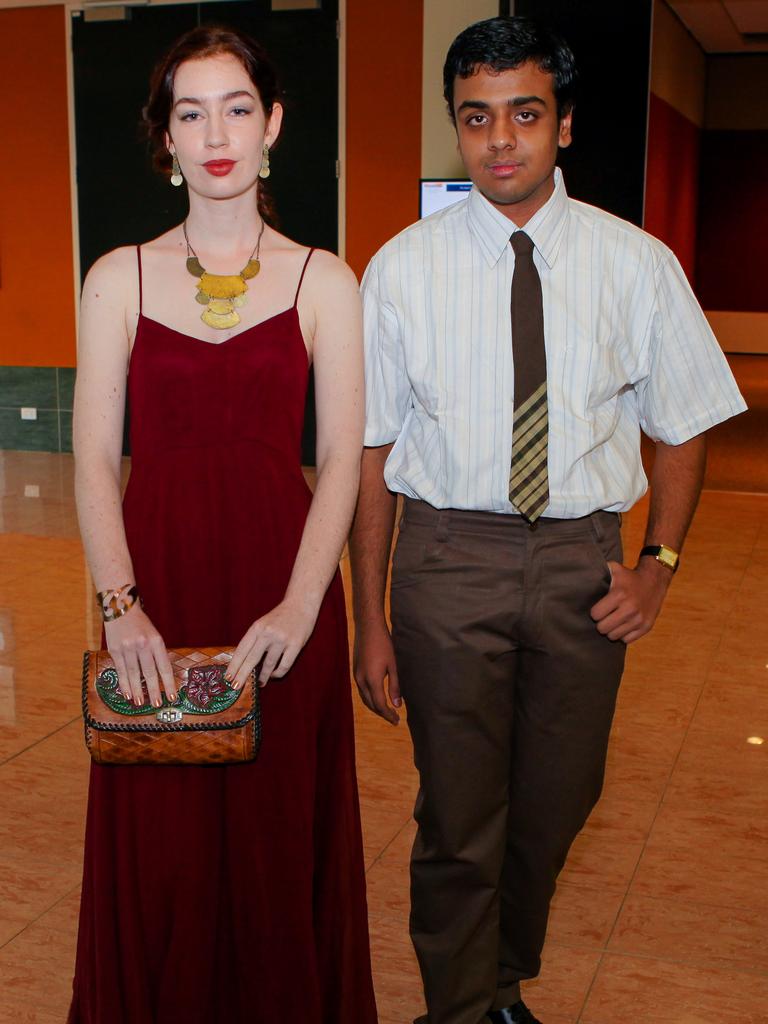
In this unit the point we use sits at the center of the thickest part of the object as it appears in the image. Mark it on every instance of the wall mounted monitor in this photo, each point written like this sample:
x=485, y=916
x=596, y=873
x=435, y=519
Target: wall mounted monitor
x=436, y=194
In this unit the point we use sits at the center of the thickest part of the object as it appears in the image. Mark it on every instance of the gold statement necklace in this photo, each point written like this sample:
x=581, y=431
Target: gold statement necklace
x=221, y=293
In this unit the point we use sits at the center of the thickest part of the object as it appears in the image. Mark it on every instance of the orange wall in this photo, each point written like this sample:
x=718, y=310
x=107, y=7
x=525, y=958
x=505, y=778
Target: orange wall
x=37, y=303
x=384, y=58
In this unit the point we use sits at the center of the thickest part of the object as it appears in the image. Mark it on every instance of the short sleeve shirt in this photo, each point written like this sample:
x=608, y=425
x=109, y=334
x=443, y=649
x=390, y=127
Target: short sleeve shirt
x=627, y=346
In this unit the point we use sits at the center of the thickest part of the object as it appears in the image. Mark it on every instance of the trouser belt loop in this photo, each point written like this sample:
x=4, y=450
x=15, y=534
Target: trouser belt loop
x=443, y=526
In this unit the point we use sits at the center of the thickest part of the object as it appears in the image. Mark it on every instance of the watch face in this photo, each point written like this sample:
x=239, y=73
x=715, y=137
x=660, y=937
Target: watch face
x=667, y=557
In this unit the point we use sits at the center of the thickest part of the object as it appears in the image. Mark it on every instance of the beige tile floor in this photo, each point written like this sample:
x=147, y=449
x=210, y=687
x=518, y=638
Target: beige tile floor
x=661, y=915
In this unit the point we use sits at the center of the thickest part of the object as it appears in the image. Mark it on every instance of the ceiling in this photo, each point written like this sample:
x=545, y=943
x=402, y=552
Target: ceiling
x=725, y=26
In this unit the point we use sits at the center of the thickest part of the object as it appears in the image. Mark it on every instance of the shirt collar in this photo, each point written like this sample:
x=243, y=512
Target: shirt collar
x=493, y=230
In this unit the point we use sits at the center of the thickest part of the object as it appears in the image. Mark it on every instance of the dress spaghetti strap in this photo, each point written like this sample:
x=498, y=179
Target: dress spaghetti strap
x=138, y=257
x=303, y=272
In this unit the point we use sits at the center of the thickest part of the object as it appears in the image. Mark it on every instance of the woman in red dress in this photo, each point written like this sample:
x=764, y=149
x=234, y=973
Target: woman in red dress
x=223, y=894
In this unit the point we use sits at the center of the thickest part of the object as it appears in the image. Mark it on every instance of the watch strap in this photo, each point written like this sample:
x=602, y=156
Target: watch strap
x=668, y=557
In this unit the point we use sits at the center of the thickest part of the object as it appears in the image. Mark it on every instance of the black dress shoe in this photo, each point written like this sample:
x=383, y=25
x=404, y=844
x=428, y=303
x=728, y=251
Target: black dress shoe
x=517, y=1014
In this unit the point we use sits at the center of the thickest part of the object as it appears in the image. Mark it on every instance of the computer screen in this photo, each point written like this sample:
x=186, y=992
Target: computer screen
x=436, y=195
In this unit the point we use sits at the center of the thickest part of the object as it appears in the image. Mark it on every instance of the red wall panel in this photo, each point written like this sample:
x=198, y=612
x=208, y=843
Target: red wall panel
x=672, y=181
x=732, y=267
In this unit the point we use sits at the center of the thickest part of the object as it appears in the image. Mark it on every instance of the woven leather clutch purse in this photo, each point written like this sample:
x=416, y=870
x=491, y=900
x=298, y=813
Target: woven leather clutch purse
x=208, y=723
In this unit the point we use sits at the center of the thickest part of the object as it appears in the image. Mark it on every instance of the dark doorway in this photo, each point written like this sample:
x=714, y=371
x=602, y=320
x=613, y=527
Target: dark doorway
x=605, y=165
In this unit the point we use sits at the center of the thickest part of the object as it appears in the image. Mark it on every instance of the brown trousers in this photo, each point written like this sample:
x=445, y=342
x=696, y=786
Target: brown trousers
x=510, y=691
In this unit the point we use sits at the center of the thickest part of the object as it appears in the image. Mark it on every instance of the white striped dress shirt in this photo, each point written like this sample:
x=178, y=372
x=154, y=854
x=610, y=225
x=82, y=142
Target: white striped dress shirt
x=628, y=347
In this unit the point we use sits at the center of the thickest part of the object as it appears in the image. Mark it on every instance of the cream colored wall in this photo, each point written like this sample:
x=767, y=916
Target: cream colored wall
x=740, y=332
x=443, y=20
x=678, y=65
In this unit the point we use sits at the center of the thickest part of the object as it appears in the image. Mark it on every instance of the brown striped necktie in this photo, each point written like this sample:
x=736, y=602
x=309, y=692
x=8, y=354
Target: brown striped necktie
x=528, y=481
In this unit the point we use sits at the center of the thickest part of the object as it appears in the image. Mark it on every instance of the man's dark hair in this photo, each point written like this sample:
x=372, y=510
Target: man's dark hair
x=500, y=44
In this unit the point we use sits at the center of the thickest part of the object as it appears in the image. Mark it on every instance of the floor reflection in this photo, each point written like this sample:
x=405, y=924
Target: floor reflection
x=660, y=914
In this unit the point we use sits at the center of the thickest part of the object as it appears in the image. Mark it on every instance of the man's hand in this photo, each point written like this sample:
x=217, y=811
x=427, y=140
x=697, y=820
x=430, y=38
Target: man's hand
x=631, y=606
x=374, y=659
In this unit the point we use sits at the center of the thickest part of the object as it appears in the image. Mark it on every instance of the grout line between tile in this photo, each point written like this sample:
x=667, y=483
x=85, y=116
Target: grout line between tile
x=697, y=903
x=58, y=410
x=44, y=635
x=36, y=743
x=387, y=845
x=727, y=490
x=700, y=963
x=705, y=680
x=53, y=906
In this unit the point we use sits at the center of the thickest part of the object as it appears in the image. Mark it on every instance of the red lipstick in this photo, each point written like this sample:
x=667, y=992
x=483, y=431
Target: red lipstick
x=219, y=167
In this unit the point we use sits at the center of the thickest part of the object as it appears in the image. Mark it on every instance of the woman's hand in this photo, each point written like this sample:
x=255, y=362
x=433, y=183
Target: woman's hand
x=138, y=650
x=277, y=637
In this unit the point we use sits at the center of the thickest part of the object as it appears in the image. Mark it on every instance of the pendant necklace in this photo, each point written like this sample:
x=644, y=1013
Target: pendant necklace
x=221, y=293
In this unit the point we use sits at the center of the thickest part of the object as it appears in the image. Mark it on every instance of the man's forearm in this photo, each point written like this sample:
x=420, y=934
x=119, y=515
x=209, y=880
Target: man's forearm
x=629, y=609
x=676, y=481
x=370, y=541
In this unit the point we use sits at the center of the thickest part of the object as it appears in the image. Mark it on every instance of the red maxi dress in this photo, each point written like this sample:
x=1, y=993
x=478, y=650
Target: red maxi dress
x=227, y=894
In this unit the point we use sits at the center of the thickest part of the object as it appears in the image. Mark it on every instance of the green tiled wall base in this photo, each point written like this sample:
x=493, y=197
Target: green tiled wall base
x=49, y=390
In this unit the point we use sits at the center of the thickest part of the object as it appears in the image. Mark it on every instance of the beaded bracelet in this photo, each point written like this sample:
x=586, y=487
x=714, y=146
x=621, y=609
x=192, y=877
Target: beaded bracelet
x=115, y=603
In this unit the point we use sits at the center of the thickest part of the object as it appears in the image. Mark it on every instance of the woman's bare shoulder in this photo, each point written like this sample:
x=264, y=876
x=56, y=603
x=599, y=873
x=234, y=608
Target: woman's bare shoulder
x=169, y=241
x=278, y=242
x=326, y=269
x=116, y=262
x=116, y=273
x=113, y=275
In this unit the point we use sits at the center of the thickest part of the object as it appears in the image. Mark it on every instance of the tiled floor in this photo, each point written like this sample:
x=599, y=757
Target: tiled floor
x=661, y=915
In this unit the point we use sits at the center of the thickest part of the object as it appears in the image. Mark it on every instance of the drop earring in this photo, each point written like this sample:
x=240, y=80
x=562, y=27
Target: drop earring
x=264, y=169
x=176, y=177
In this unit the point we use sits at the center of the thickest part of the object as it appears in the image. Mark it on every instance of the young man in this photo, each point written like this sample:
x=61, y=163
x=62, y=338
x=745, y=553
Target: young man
x=516, y=344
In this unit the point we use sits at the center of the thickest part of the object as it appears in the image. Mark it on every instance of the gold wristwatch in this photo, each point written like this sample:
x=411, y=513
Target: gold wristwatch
x=668, y=557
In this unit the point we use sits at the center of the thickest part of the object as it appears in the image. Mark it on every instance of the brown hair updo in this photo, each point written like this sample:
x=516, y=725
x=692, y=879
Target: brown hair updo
x=197, y=44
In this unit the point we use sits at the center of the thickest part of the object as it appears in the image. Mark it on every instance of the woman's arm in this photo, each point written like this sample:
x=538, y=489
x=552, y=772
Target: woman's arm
x=99, y=411
x=331, y=290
